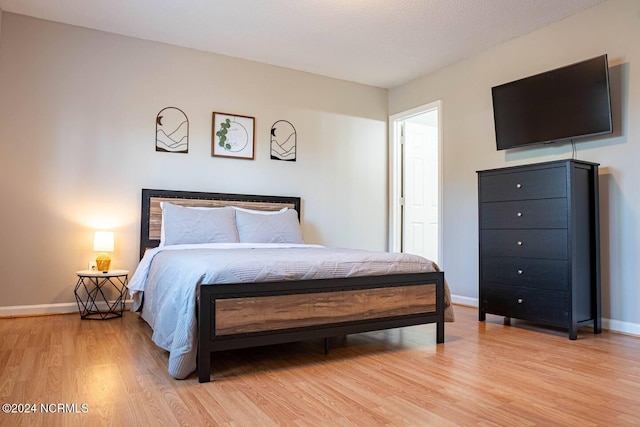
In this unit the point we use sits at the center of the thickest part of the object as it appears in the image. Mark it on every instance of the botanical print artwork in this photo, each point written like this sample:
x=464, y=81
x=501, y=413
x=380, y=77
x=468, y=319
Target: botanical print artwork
x=233, y=136
x=172, y=131
x=233, y=139
x=283, y=141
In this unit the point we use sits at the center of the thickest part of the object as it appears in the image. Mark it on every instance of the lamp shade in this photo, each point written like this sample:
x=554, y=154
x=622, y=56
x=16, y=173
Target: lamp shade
x=103, y=241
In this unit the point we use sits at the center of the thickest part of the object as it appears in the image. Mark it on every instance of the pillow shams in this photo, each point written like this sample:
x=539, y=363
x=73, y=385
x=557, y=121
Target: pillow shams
x=280, y=227
x=183, y=225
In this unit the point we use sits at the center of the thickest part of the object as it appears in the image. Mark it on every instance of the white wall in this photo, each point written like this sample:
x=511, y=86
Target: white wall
x=469, y=143
x=77, y=136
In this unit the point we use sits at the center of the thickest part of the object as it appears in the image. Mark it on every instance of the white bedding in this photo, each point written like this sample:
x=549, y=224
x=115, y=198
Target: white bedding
x=169, y=276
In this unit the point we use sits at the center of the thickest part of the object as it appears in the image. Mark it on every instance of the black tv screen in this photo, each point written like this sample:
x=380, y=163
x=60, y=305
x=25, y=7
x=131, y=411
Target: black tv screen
x=561, y=104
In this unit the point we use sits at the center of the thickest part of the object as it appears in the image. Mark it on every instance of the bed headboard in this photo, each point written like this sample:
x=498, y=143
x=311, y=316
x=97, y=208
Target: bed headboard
x=151, y=217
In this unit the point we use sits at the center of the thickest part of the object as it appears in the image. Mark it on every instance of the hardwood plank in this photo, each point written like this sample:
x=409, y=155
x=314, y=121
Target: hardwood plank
x=486, y=374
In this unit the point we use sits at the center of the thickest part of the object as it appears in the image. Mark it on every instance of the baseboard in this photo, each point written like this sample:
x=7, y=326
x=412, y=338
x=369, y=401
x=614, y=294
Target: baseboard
x=47, y=309
x=611, y=325
x=619, y=326
x=70, y=307
x=460, y=300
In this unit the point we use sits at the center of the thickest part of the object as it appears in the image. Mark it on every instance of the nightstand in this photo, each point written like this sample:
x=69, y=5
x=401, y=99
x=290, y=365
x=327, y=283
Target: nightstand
x=101, y=296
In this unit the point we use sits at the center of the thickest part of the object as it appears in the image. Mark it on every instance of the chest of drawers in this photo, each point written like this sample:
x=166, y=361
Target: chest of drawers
x=539, y=244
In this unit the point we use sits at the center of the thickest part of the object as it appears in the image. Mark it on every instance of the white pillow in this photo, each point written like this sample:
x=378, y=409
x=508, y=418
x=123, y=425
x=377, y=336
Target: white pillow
x=278, y=227
x=185, y=225
x=162, y=238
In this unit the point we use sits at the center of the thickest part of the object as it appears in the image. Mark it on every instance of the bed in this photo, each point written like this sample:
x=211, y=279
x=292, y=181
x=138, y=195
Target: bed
x=276, y=294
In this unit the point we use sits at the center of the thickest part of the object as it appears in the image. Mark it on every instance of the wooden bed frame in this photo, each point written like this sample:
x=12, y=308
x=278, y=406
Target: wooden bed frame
x=232, y=316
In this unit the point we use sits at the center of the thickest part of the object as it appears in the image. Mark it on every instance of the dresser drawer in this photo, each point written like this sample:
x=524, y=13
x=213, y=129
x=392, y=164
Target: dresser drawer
x=528, y=272
x=523, y=185
x=541, y=213
x=530, y=243
x=548, y=307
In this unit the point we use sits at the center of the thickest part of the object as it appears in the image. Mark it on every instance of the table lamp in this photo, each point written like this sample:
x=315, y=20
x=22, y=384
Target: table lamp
x=103, y=243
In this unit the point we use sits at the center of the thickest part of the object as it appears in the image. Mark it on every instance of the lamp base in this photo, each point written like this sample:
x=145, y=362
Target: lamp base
x=102, y=262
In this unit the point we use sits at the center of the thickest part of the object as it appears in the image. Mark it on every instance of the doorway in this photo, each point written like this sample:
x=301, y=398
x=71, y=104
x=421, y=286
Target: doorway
x=416, y=182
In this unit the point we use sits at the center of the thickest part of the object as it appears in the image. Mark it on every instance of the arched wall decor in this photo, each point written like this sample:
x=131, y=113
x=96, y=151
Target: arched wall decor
x=172, y=131
x=284, y=139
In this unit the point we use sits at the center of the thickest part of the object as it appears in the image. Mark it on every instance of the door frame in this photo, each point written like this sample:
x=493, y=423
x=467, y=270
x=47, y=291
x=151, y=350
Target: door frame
x=396, y=172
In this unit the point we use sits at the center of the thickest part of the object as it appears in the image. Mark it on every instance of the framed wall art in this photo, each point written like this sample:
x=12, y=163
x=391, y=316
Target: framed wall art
x=284, y=140
x=233, y=136
x=172, y=131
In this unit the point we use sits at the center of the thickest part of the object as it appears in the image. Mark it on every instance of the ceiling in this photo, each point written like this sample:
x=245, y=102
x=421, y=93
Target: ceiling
x=382, y=43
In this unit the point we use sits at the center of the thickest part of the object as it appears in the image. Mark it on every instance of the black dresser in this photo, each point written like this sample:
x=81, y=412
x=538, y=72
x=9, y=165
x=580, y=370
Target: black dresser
x=540, y=244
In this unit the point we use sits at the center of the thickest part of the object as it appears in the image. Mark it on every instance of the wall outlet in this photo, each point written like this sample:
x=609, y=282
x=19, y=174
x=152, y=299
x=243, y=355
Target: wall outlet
x=92, y=266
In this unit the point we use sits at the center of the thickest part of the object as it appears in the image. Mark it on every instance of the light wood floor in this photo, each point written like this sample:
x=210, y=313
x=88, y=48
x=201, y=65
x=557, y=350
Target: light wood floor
x=486, y=374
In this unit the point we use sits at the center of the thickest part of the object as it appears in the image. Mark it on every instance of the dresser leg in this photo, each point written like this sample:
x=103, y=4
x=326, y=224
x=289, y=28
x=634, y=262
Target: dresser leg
x=507, y=321
x=482, y=316
x=597, y=326
x=573, y=333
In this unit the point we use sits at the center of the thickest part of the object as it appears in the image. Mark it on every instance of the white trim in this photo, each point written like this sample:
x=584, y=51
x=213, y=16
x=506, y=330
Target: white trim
x=621, y=327
x=458, y=299
x=42, y=309
x=394, y=185
x=395, y=160
x=64, y=308
x=440, y=186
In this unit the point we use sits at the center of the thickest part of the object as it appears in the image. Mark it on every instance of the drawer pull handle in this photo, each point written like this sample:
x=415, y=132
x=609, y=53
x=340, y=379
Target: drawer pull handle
x=518, y=185
x=519, y=300
x=519, y=214
x=519, y=272
x=520, y=243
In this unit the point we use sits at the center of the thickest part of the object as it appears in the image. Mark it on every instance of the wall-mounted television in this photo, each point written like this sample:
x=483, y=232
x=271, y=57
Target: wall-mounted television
x=562, y=104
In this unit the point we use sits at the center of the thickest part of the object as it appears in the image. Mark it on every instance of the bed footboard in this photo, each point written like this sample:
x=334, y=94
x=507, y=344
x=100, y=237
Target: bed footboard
x=242, y=315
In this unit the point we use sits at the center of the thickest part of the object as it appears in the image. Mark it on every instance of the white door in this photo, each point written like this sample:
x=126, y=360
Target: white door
x=415, y=207
x=420, y=190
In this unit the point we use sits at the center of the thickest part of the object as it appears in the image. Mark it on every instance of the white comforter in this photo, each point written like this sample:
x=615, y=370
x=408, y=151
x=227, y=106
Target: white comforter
x=169, y=278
